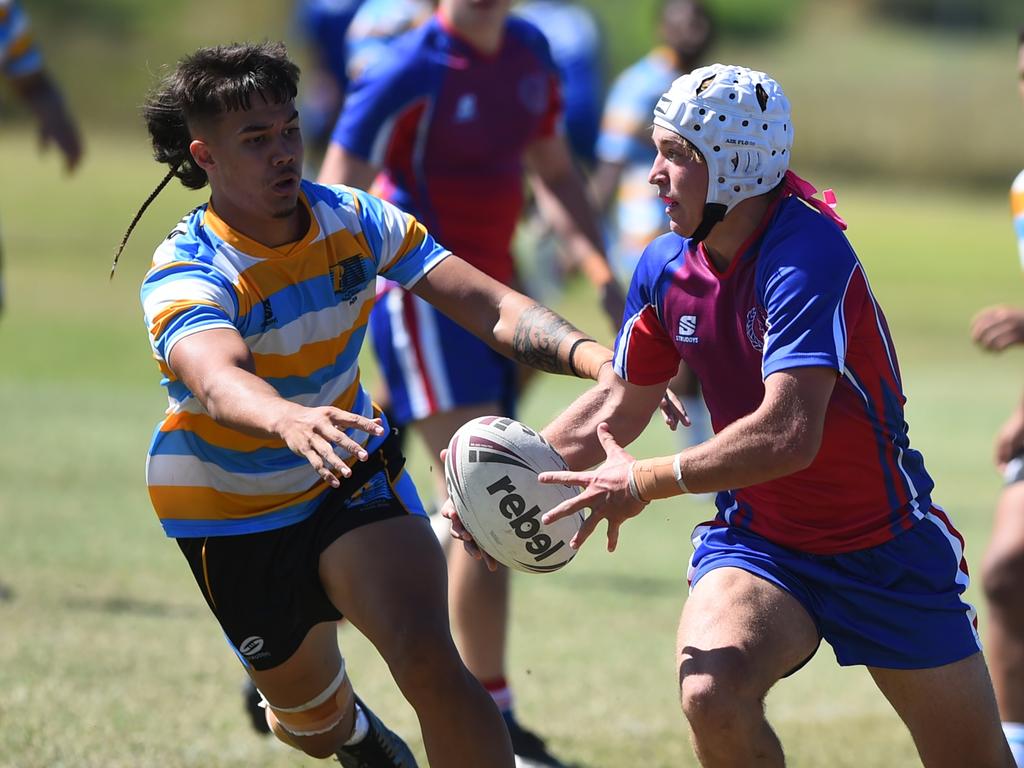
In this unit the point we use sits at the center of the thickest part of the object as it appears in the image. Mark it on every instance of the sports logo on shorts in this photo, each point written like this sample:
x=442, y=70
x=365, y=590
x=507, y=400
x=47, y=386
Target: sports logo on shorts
x=251, y=646
x=686, y=330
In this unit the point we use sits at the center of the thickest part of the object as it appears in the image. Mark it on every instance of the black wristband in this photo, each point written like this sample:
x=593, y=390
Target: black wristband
x=572, y=355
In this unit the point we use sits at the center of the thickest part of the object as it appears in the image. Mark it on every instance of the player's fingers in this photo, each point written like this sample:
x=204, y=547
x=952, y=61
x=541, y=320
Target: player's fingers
x=604, y=435
x=317, y=463
x=566, y=508
x=444, y=454
x=589, y=524
x=582, y=479
x=334, y=435
x=613, y=534
x=330, y=459
x=355, y=421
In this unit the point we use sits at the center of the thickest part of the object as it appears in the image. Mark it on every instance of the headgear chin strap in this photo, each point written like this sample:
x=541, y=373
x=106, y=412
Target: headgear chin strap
x=713, y=213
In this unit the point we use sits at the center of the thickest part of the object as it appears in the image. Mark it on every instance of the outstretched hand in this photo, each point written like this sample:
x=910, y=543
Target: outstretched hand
x=605, y=492
x=313, y=432
x=996, y=328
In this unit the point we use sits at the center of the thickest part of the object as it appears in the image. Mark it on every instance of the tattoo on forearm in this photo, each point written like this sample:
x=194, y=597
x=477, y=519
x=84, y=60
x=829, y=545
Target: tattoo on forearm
x=538, y=334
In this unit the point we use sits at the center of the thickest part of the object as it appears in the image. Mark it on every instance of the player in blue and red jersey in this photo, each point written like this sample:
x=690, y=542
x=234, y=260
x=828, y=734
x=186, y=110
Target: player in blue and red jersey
x=461, y=110
x=577, y=48
x=826, y=526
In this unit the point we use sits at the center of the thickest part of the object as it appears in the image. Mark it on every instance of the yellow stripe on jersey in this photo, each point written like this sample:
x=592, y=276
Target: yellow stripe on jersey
x=311, y=357
x=192, y=502
x=171, y=310
x=413, y=238
x=204, y=427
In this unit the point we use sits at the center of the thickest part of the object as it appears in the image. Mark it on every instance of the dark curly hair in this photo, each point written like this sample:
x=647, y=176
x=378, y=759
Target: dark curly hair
x=202, y=86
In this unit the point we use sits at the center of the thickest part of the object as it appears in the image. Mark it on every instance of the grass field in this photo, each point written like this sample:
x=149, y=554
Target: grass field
x=108, y=656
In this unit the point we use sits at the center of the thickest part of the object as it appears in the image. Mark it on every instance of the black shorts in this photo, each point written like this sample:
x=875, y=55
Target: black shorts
x=264, y=588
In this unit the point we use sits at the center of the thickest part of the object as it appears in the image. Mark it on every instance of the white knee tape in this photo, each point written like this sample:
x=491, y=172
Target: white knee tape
x=316, y=716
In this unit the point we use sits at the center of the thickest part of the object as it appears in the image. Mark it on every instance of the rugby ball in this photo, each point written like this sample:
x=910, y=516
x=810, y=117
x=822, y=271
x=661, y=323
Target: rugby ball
x=491, y=470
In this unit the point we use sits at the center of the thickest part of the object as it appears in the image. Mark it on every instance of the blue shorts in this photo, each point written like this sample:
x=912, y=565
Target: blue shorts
x=433, y=365
x=897, y=605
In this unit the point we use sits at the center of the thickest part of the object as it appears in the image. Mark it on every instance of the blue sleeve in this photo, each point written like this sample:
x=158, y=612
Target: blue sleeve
x=180, y=298
x=628, y=111
x=803, y=279
x=374, y=102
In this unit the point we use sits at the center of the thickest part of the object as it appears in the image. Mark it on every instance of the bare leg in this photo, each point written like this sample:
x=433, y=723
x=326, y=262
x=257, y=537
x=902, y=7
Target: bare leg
x=1003, y=582
x=951, y=713
x=389, y=580
x=304, y=676
x=738, y=635
x=479, y=598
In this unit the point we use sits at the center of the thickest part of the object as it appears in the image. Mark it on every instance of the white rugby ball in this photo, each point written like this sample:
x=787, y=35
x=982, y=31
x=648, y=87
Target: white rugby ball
x=491, y=470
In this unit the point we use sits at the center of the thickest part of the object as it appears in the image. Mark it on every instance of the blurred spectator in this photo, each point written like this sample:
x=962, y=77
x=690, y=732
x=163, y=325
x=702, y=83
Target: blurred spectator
x=577, y=46
x=625, y=153
x=324, y=25
x=22, y=66
x=995, y=329
x=377, y=24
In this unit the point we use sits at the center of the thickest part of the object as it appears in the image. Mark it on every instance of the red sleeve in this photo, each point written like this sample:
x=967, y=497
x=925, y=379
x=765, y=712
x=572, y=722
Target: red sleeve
x=644, y=352
x=550, y=120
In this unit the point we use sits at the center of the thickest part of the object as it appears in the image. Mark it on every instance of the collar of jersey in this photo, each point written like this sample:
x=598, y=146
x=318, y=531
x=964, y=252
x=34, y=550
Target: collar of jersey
x=746, y=249
x=468, y=47
x=251, y=247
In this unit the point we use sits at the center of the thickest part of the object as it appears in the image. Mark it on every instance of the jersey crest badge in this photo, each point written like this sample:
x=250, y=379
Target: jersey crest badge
x=756, y=328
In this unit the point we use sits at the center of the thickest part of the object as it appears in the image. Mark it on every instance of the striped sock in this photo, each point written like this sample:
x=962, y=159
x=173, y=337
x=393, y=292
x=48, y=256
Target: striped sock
x=1015, y=737
x=498, y=689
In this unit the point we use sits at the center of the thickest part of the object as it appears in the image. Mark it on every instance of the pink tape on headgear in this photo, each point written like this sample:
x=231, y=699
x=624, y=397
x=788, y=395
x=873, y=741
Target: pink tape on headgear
x=794, y=185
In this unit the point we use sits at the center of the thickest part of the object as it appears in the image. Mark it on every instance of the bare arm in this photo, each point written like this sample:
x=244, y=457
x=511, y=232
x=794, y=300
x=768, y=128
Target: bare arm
x=511, y=323
x=780, y=437
x=604, y=182
x=625, y=407
x=563, y=202
x=217, y=367
x=42, y=96
x=342, y=167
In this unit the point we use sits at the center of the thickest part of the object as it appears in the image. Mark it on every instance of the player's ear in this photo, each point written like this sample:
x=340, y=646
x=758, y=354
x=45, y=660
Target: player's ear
x=200, y=152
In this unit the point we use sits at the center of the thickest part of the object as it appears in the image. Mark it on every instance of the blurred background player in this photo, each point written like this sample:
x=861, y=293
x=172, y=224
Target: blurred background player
x=450, y=121
x=996, y=329
x=625, y=153
x=376, y=25
x=323, y=24
x=21, y=64
x=577, y=48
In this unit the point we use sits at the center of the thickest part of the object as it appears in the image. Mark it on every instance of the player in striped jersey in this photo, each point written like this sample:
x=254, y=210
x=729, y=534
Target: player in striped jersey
x=21, y=64
x=826, y=526
x=996, y=329
x=272, y=469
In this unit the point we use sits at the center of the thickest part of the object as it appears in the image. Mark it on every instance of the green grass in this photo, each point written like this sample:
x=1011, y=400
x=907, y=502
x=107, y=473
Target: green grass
x=108, y=656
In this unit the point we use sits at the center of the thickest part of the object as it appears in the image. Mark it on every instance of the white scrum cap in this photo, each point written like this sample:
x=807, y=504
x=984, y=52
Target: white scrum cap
x=739, y=119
